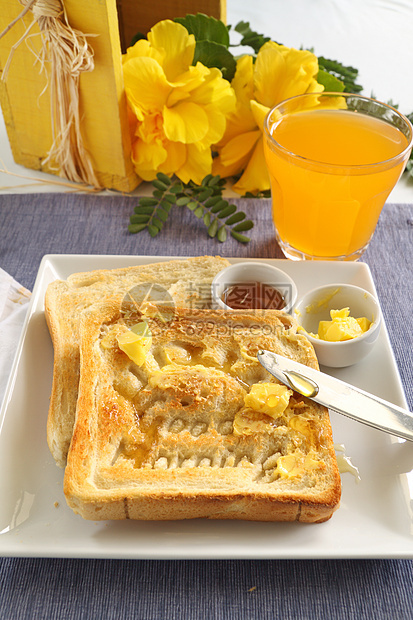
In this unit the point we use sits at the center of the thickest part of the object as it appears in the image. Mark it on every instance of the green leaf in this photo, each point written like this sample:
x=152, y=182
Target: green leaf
x=330, y=82
x=214, y=180
x=237, y=217
x=162, y=214
x=152, y=213
x=229, y=210
x=243, y=28
x=139, y=219
x=135, y=228
x=157, y=222
x=250, y=37
x=176, y=189
x=153, y=230
x=222, y=234
x=163, y=178
x=141, y=210
x=213, y=228
x=166, y=204
x=239, y=237
x=265, y=193
x=212, y=201
x=347, y=75
x=245, y=225
x=337, y=67
x=206, y=180
x=221, y=204
x=181, y=202
x=213, y=54
x=206, y=193
x=147, y=201
x=205, y=28
x=160, y=185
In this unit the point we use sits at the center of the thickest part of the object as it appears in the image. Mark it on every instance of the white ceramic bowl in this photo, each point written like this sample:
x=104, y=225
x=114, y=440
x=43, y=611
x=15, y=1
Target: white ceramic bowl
x=315, y=306
x=254, y=271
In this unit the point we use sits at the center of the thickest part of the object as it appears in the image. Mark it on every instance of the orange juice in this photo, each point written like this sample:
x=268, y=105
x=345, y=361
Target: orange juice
x=331, y=171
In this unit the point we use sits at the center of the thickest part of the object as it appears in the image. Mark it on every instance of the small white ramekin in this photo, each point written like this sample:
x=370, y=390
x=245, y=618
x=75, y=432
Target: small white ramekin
x=315, y=306
x=254, y=271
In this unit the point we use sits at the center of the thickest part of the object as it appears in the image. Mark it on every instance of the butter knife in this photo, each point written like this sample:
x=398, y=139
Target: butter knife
x=339, y=396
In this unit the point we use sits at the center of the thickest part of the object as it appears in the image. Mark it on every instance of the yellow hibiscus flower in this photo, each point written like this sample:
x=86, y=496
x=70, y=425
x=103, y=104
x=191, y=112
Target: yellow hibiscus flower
x=279, y=72
x=177, y=111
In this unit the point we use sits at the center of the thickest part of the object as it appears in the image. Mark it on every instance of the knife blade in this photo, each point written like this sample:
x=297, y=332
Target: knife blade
x=339, y=396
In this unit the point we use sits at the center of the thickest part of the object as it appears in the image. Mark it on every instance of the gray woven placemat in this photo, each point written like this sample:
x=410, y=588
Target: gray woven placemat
x=34, y=225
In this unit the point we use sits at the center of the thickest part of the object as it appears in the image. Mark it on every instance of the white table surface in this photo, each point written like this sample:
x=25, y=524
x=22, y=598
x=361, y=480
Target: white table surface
x=375, y=36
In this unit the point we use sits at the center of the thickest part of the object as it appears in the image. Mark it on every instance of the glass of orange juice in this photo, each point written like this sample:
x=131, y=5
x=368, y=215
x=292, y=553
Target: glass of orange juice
x=333, y=159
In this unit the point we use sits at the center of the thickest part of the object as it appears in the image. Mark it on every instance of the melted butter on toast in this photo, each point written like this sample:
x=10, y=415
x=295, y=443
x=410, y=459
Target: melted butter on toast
x=184, y=376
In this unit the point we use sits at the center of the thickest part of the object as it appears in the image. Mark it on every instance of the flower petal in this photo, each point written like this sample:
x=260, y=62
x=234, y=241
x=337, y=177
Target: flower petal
x=198, y=164
x=150, y=128
x=282, y=72
x=191, y=78
x=146, y=86
x=234, y=156
x=302, y=71
x=186, y=122
x=147, y=157
x=227, y=171
x=143, y=48
x=175, y=159
x=176, y=44
x=255, y=178
x=214, y=89
x=259, y=112
x=243, y=82
x=239, y=147
x=187, y=82
x=216, y=124
x=269, y=75
x=241, y=120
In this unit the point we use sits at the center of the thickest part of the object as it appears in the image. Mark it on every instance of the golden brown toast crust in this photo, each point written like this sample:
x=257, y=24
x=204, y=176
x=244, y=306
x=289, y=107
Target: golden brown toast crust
x=158, y=441
x=187, y=281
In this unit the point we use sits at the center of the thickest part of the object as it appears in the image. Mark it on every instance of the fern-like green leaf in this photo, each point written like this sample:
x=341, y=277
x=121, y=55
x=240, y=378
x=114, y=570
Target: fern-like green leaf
x=141, y=210
x=227, y=211
x=164, y=178
x=345, y=74
x=222, y=234
x=213, y=228
x=205, y=201
x=139, y=219
x=250, y=37
x=153, y=230
x=135, y=228
x=239, y=237
x=245, y=225
x=219, y=205
x=237, y=217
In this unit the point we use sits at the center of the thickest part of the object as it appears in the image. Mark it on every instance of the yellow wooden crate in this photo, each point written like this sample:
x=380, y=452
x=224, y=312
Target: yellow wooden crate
x=24, y=95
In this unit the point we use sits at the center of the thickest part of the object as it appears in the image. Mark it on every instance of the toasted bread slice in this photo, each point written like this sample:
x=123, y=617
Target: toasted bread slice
x=193, y=429
x=181, y=282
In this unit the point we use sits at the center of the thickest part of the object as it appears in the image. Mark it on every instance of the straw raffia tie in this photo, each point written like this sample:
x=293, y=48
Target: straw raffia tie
x=69, y=54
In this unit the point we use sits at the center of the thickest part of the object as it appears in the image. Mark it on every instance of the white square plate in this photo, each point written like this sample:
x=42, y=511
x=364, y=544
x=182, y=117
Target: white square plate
x=374, y=520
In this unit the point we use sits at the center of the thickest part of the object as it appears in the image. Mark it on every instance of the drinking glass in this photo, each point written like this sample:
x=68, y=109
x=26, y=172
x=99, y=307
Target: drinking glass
x=333, y=159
